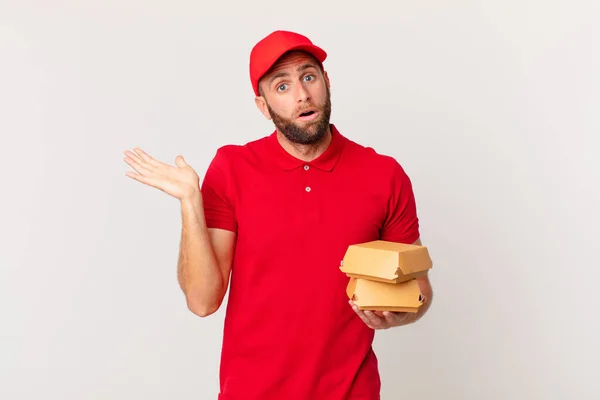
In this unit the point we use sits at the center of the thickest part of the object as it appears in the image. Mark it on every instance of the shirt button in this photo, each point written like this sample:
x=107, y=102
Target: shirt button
x=306, y=167
x=308, y=188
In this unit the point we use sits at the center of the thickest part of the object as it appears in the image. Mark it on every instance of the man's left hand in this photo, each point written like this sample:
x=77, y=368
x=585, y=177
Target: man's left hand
x=381, y=320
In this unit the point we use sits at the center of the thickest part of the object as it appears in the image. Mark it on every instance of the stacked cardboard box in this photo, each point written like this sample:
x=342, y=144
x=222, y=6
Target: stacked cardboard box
x=383, y=275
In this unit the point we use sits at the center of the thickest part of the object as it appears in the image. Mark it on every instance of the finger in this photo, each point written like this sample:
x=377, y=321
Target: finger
x=365, y=319
x=147, y=158
x=134, y=156
x=143, y=179
x=180, y=162
x=375, y=320
x=361, y=315
x=392, y=318
x=137, y=166
x=400, y=318
x=140, y=160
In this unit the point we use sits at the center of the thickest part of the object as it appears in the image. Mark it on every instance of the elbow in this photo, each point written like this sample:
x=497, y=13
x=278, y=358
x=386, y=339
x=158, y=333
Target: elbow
x=202, y=308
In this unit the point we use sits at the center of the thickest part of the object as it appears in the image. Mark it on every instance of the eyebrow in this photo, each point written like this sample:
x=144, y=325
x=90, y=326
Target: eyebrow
x=284, y=74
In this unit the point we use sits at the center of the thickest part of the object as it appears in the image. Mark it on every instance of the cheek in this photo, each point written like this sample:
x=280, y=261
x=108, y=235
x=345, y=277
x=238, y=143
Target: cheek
x=320, y=94
x=283, y=108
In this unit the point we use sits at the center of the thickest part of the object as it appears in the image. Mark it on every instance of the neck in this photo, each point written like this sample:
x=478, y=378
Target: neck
x=305, y=152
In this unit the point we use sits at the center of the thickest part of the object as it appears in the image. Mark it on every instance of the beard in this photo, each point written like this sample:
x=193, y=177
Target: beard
x=311, y=132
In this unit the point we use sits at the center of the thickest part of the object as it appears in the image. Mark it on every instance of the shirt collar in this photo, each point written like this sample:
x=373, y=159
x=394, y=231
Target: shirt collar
x=325, y=161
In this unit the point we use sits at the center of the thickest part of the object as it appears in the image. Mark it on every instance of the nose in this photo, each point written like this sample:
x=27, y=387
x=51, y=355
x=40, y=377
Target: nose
x=302, y=94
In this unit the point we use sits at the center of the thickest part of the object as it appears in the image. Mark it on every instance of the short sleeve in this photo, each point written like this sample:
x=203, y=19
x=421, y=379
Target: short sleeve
x=401, y=224
x=217, y=195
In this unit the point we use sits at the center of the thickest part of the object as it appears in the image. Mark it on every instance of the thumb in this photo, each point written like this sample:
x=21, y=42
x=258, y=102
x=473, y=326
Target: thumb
x=180, y=162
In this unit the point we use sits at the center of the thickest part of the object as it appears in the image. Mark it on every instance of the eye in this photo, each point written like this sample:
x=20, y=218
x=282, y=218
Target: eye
x=309, y=78
x=281, y=87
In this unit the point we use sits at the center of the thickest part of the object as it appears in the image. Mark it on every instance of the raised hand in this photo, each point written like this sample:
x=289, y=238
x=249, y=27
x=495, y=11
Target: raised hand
x=179, y=181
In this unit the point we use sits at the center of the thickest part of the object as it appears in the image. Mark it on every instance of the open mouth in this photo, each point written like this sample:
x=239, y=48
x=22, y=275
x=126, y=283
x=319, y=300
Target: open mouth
x=308, y=115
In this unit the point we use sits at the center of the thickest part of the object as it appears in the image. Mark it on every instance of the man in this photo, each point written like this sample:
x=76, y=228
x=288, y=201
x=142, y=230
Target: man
x=272, y=220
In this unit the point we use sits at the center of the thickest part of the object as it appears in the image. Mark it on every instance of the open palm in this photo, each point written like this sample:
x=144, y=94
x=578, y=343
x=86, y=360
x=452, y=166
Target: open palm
x=179, y=181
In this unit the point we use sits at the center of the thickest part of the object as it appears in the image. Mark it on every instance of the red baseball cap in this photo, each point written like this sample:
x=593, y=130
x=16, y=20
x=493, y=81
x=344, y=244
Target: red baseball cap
x=268, y=50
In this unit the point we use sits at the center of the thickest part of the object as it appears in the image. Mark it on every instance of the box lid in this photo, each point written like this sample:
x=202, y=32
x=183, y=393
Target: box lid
x=386, y=261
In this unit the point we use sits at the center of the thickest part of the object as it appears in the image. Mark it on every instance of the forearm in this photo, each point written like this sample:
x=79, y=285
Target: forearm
x=427, y=293
x=199, y=274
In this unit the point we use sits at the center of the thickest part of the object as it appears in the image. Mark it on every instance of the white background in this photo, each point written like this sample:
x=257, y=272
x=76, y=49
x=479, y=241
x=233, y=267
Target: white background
x=491, y=107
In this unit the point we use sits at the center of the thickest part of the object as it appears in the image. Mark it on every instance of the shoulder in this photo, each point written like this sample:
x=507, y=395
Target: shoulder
x=380, y=170
x=371, y=158
x=230, y=154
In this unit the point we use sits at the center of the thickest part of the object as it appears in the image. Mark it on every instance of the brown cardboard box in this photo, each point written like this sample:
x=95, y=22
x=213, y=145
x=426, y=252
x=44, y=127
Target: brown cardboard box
x=386, y=261
x=383, y=275
x=381, y=296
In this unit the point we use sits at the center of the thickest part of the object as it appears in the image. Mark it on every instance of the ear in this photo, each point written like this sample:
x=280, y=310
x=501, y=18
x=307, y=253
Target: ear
x=326, y=76
x=261, y=103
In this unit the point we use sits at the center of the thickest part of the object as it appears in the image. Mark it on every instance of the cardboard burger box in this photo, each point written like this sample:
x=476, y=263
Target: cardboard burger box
x=383, y=275
x=381, y=296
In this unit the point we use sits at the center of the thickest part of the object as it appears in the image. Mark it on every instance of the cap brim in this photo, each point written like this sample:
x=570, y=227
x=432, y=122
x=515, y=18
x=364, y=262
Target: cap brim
x=315, y=51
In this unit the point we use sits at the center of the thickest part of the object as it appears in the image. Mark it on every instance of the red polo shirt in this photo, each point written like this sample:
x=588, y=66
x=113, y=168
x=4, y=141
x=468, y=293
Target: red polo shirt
x=289, y=331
